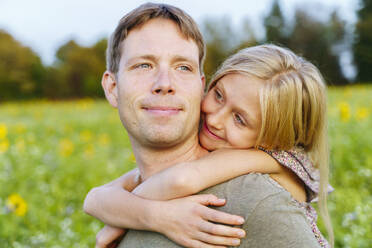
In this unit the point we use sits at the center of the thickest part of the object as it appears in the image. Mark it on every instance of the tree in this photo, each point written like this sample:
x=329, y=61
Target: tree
x=363, y=43
x=21, y=70
x=78, y=70
x=217, y=33
x=222, y=40
x=316, y=41
x=275, y=26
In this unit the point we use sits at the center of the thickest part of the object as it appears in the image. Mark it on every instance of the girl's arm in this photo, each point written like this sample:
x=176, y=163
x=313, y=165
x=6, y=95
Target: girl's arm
x=186, y=221
x=216, y=167
x=109, y=234
x=128, y=181
x=115, y=206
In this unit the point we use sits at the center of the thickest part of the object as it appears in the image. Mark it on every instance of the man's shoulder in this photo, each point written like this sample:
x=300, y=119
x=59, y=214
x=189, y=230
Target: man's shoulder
x=245, y=192
x=252, y=187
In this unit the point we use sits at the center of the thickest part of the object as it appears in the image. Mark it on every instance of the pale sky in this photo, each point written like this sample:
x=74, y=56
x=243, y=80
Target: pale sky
x=44, y=25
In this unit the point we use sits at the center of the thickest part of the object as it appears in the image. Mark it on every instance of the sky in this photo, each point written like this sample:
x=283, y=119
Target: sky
x=44, y=25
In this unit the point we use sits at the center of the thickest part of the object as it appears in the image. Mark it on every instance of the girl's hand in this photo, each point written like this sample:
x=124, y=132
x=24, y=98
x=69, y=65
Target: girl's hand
x=189, y=222
x=109, y=237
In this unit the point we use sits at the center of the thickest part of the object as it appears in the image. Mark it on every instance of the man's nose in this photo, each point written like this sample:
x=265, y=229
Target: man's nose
x=163, y=84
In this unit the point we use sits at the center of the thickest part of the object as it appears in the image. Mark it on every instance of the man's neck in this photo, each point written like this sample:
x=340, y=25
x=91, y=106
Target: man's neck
x=151, y=161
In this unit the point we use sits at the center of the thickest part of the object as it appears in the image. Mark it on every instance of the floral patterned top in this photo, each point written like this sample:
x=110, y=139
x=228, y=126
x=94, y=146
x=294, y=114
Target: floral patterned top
x=297, y=161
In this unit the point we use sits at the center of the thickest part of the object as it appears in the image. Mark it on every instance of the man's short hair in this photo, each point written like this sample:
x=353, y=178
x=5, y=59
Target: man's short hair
x=142, y=14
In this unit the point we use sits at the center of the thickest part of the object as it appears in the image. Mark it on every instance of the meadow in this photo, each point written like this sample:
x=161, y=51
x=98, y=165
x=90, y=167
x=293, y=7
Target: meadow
x=52, y=153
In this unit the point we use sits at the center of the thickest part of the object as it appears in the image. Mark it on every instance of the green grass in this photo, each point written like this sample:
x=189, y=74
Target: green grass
x=350, y=123
x=52, y=153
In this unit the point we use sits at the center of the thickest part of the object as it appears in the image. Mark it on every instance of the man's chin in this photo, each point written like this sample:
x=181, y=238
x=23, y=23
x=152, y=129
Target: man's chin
x=163, y=141
x=162, y=136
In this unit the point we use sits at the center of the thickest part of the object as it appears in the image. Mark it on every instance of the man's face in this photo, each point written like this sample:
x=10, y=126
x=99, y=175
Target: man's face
x=159, y=85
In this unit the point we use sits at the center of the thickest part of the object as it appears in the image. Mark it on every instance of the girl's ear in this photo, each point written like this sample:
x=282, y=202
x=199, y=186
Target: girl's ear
x=109, y=85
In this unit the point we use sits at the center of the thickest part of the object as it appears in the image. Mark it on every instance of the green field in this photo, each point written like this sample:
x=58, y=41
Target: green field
x=52, y=153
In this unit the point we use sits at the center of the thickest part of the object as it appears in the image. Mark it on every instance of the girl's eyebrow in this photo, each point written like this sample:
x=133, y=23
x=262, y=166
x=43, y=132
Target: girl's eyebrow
x=219, y=85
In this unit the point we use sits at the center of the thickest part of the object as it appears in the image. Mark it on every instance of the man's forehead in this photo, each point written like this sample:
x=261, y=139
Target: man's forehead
x=159, y=37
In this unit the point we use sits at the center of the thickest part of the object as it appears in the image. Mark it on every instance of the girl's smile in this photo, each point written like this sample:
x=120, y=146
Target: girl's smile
x=208, y=132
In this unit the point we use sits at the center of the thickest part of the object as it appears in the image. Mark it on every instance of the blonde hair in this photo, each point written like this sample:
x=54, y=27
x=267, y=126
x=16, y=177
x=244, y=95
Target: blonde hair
x=144, y=13
x=293, y=106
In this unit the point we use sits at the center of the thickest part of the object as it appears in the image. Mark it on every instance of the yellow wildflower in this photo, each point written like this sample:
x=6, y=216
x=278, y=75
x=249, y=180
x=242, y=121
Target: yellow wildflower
x=347, y=92
x=86, y=135
x=132, y=158
x=85, y=103
x=345, y=112
x=20, y=128
x=38, y=115
x=103, y=139
x=67, y=129
x=4, y=145
x=89, y=151
x=3, y=131
x=16, y=204
x=66, y=147
x=20, y=145
x=361, y=113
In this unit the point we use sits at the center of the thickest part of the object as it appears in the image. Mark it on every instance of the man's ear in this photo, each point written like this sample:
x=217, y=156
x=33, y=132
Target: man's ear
x=109, y=85
x=203, y=82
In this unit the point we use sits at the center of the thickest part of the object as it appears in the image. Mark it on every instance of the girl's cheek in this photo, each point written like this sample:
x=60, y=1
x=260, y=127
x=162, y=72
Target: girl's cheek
x=207, y=105
x=233, y=137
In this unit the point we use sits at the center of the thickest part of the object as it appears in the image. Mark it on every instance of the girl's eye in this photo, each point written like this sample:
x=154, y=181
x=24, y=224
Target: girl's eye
x=218, y=95
x=239, y=119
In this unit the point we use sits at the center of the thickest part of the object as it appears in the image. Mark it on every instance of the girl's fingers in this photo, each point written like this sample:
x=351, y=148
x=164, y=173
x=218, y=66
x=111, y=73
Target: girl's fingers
x=107, y=236
x=207, y=199
x=222, y=230
x=221, y=217
x=218, y=240
x=199, y=244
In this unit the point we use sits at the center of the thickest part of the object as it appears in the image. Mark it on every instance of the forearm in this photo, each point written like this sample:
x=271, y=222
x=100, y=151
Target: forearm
x=191, y=177
x=114, y=205
x=167, y=184
x=119, y=208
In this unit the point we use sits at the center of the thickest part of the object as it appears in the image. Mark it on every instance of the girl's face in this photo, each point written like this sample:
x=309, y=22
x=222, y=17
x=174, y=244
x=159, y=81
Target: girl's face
x=231, y=113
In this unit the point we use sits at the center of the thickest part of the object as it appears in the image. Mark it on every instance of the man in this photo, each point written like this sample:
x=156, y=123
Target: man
x=155, y=79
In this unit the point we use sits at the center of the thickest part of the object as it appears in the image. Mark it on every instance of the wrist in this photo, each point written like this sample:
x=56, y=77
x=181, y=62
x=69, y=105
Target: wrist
x=151, y=219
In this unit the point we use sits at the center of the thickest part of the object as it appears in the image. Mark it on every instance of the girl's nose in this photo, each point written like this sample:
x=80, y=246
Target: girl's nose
x=216, y=119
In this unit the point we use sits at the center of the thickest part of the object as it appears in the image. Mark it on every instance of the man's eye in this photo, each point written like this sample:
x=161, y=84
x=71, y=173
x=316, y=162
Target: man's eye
x=143, y=66
x=184, y=68
x=239, y=119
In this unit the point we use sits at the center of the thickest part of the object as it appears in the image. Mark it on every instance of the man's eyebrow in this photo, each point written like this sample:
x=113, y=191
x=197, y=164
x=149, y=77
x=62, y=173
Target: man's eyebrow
x=179, y=58
x=141, y=57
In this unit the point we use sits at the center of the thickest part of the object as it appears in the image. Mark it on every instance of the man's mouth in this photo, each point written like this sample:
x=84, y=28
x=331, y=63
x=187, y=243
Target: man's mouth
x=162, y=110
x=209, y=132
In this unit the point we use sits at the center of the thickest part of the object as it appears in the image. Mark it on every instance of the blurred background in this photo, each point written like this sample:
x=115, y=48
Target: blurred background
x=59, y=137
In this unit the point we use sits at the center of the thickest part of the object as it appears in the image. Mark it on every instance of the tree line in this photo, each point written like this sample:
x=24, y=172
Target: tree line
x=77, y=69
